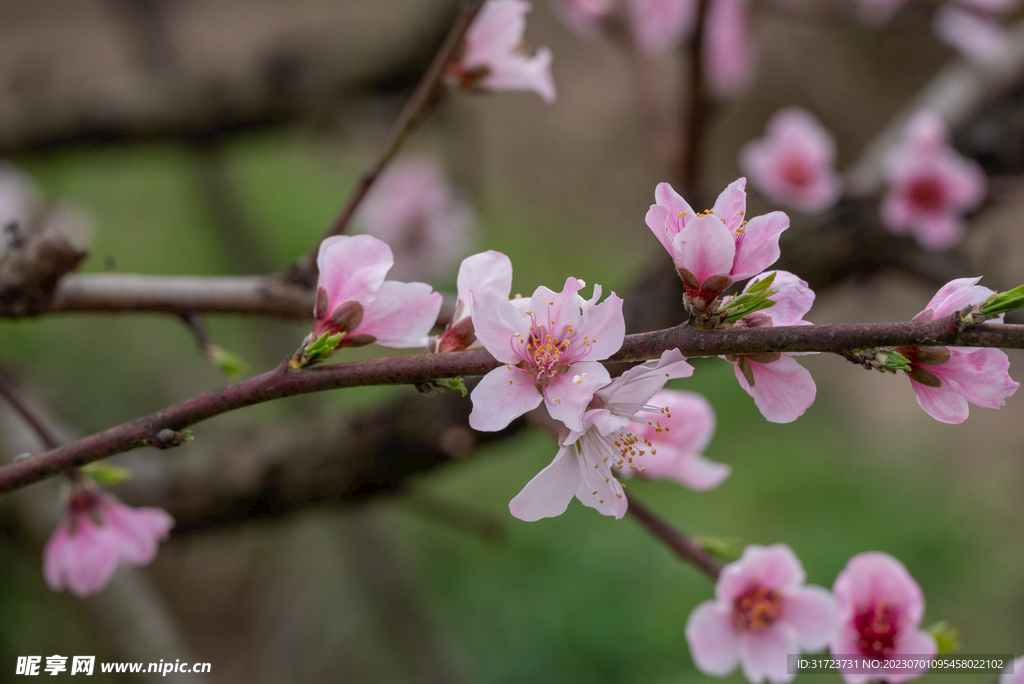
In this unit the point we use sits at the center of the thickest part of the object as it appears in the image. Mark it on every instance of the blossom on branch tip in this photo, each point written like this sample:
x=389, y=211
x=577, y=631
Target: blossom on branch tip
x=931, y=185
x=493, y=56
x=715, y=248
x=793, y=163
x=413, y=209
x=586, y=462
x=761, y=613
x=945, y=379
x=880, y=607
x=550, y=351
x=356, y=306
x=488, y=271
x=679, y=435
x=96, y=535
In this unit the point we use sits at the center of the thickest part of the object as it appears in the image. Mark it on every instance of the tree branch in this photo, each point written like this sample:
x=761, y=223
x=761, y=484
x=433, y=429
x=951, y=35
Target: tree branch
x=156, y=428
x=679, y=543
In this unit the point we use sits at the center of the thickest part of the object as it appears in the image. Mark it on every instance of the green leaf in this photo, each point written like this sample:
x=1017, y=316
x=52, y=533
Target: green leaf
x=227, y=361
x=454, y=384
x=946, y=636
x=726, y=548
x=893, y=360
x=1003, y=302
x=755, y=298
x=316, y=351
x=106, y=474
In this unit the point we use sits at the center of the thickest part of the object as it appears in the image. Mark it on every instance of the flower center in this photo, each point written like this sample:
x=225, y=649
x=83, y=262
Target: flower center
x=756, y=609
x=927, y=193
x=878, y=627
x=796, y=172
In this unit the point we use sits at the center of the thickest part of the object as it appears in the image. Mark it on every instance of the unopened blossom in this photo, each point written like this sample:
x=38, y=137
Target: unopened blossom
x=712, y=249
x=728, y=48
x=1014, y=673
x=488, y=271
x=550, y=353
x=97, y=534
x=494, y=58
x=679, y=432
x=880, y=609
x=793, y=163
x=761, y=613
x=931, y=186
x=782, y=389
x=945, y=379
x=414, y=209
x=586, y=463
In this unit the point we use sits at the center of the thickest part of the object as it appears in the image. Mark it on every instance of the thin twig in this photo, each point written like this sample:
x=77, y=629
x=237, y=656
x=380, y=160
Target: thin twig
x=156, y=428
x=13, y=396
x=418, y=104
x=683, y=546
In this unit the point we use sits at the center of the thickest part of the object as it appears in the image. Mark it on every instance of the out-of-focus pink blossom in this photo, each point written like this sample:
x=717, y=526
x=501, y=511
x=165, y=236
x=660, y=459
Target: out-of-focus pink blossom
x=945, y=379
x=978, y=36
x=728, y=48
x=1017, y=674
x=878, y=12
x=782, y=389
x=353, y=298
x=586, y=462
x=413, y=209
x=713, y=249
x=762, y=611
x=550, y=351
x=494, y=59
x=97, y=534
x=931, y=185
x=880, y=607
x=792, y=164
x=660, y=25
x=485, y=272
x=678, y=436
x=585, y=16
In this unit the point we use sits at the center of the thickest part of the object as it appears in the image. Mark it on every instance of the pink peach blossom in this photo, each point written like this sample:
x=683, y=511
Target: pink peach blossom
x=485, y=272
x=782, y=389
x=793, y=163
x=97, y=534
x=413, y=209
x=353, y=297
x=945, y=379
x=494, y=59
x=713, y=249
x=678, y=436
x=880, y=607
x=550, y=351
x=1017, y=674
x=762, y=611
x=585, y=463
x=728, y=48
x=931, y=185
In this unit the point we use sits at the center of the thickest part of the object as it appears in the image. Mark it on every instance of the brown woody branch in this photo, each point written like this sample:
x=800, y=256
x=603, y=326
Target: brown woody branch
x=158, y=428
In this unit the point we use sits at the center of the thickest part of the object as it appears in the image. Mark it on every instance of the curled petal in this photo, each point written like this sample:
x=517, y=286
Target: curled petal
x=488, y=271
x=732, y=204
x=957, y=294
x=792, y=302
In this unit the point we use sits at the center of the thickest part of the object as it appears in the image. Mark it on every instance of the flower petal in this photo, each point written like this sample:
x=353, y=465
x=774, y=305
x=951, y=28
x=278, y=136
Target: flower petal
x=488, y=271
x=642, y=382
x=352, y=268
x=705, y=248
x=774, y=567
x=943, y=404
x=502, y=395
x=757, y=247
x=605, y=326
x=763, y=654
x=957, y=294
x=499, y=325
x=812, y=613
x=793, y=300
x=731, y=204
x=401, y=315
x=568, y=395
x=981, y=376
x=549, y=492
x=712, y=638
x=783, y=389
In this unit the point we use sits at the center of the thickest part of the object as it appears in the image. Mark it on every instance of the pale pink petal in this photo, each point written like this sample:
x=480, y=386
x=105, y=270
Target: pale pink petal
x=498, y=325
x=603, y=495
x=763, y=654
x=1014, y=673
x=549, y=492
x=53, y=557
x=847, y=642
x=957, y=294
x=678, y=207
x=690, y=419
x=897, y=213
x=659, y=25
x=731, y=204
x=911, y=643
x=569, y=394
x=981, y=376
x=774, y=567
x=876, y=576
x=691, y=470
x=485, y=272
x=728, y=48
x=401, y=315
x=502, y=395
x=757, y=247
x=976, y=36
x=928, y=130
x=793, y=300
x=523, y=73
x=605, y=326
x=938, y=232
x=782, y=391
x=641, y=382
x=966, y=182
x=943, y=404
x=138, y=531
x=352, y=267
x=496, y=31
x=812, y=613
x=90, y=560
x=559, y=310
x=705, y=248
x=712, y=638
x=657, y=219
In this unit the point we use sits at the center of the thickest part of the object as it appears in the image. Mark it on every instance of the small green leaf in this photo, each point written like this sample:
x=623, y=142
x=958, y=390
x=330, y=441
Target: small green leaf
x=106, y=474
x=227, y=361
x=1003, y=302
x=726, y=548
x=316, y=351
x=947, y=637
x=893, y=360
x=454, y=384
x=761, y=285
